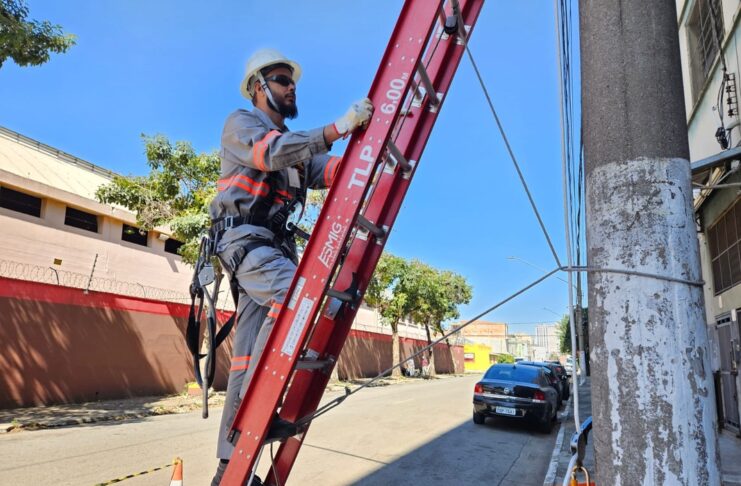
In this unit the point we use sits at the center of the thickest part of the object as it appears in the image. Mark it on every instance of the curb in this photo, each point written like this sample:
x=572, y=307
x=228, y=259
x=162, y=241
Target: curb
x=550, y=476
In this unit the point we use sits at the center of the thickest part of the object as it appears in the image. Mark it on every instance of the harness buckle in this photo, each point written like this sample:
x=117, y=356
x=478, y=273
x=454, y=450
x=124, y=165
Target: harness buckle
x=228, y=222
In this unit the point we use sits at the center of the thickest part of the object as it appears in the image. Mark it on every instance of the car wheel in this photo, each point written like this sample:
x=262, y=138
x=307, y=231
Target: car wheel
x=478, y=418
x=547, y=425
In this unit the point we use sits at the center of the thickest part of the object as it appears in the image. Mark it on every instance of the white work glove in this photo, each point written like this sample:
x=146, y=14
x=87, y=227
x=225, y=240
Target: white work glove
x=358, y=114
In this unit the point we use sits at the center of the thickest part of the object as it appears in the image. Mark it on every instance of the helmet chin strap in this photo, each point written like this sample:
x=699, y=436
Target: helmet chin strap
x=271, y=102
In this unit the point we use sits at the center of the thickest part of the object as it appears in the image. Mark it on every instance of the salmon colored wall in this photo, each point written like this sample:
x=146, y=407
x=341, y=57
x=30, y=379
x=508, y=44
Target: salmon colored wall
x=61, y=345
x=366, y=354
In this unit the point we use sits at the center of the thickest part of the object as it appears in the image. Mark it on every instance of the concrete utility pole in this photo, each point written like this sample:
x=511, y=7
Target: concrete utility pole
x=654, y=409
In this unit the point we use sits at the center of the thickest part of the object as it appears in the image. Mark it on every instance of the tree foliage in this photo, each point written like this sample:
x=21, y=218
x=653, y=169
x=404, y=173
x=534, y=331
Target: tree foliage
x=176, y=192
x=28, y=42
x=564, y=335
x=505, y=358
x=401, y=289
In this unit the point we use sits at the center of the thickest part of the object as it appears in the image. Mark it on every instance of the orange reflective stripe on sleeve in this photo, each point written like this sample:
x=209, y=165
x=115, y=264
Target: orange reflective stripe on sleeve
x=258, y=151
x=331, y=169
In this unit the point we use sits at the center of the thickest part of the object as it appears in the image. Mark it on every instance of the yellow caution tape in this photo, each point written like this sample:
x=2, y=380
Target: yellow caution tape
x=123, y=478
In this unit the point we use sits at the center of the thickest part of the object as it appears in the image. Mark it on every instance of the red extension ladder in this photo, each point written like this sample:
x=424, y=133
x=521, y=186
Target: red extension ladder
x=409, y=88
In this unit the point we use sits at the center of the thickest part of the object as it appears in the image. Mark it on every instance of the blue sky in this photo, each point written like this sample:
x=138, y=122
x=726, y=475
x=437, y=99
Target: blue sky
x=174, y=67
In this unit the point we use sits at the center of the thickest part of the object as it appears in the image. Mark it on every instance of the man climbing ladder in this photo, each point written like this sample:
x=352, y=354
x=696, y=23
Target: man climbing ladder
x=265, y=172
x=294, y=319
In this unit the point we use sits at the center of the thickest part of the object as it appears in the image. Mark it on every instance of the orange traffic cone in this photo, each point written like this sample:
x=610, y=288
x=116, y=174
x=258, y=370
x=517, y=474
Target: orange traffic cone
x=177, y=473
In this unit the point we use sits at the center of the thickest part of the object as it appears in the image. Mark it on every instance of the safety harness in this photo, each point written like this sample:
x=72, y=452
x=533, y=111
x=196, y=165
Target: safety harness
x=284, y=226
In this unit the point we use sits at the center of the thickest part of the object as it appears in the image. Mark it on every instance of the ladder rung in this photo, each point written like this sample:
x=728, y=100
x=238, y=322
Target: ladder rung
x=425, y=78
x=340, y=295
x=396, y=154
x=312, y=364
x=378, y=232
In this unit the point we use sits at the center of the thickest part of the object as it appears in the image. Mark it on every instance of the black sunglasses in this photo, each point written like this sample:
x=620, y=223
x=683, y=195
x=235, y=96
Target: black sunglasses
x=282, y=80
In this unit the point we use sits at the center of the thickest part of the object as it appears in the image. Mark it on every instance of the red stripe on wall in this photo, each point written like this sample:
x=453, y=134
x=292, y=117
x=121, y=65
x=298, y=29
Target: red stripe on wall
x=40, y=292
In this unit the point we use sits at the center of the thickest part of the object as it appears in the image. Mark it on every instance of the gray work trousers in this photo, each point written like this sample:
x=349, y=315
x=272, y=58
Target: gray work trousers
x=264, y=277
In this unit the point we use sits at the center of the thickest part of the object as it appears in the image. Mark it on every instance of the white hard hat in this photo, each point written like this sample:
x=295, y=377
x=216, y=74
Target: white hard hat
x=262, y=59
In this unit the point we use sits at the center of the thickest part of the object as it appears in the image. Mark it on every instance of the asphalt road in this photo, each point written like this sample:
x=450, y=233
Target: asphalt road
x=411, y=433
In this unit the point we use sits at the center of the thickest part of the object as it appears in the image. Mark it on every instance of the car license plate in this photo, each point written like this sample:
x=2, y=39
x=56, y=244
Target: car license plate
x=506, y=410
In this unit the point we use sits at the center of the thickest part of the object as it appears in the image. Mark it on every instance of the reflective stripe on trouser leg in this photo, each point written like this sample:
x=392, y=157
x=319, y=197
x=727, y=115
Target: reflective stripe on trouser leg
x=249, y=318
x=264, y=276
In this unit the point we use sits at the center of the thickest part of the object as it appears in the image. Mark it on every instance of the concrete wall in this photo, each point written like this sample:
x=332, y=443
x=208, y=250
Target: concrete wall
x=39, y=241
x=61, y=345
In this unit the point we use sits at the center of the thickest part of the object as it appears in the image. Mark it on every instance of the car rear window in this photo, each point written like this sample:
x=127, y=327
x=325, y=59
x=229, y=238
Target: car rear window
x=525, y=374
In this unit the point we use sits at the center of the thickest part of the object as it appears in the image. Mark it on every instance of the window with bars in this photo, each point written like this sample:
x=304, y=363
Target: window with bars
x=20, y=202
x=724, y=239
x=132, y=234
x=81, y=219
x=702, y=40
x=172, y=246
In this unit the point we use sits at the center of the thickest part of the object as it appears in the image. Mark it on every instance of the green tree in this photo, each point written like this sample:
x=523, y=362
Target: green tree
x=505, y=358
x=434, y=298
x=564, y=335
x=176, y=192
x=386, y=294
x=413, y=290
x=28, y=42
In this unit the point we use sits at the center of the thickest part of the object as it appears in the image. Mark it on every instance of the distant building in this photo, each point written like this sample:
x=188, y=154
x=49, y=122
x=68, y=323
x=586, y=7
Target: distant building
x=546, y=337
x=476, y=357
x=492, y=334
x=520, y=345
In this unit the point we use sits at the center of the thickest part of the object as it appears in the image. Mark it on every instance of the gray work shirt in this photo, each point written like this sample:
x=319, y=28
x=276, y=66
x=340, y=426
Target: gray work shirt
x=260, y=160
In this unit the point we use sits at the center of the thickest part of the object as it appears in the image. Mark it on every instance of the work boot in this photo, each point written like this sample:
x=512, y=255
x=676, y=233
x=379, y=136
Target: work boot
x=281, y=429
x=216, y=481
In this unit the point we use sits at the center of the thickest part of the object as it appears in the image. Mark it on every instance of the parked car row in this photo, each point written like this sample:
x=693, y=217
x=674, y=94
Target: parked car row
x=526, y=390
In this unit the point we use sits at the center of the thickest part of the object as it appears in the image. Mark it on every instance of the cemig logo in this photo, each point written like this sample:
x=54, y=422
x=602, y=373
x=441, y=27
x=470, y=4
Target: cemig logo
x=360, y=174
x=331, y=245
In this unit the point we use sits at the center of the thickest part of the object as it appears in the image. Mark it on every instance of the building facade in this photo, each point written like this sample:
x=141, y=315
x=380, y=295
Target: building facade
x=491, y=334
x=546, y=338
x=709, y=36
x=95, y=308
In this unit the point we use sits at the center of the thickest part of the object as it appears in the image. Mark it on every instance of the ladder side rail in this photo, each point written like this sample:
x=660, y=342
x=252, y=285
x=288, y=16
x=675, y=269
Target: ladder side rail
x=321, y=257
x=306, y=390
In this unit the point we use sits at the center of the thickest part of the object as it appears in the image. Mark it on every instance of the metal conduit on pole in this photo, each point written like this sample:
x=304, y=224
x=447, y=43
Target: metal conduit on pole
x=653, y=406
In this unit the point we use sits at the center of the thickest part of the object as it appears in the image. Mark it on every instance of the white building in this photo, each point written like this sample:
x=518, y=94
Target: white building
x=546, y=337
x=711, y=101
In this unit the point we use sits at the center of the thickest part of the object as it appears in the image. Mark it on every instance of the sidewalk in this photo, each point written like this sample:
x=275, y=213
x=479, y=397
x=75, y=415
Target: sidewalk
x=730, y=445
x=32, y=418
x=44, y=417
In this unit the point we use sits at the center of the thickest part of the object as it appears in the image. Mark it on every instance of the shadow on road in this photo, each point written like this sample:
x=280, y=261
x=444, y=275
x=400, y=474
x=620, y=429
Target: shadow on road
x=503, y=451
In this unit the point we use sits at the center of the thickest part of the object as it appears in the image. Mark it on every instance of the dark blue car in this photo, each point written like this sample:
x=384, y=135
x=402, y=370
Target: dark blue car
x=517, y=391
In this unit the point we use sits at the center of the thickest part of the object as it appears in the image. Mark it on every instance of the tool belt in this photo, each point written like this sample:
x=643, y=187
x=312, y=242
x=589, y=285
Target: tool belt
x=205, y=274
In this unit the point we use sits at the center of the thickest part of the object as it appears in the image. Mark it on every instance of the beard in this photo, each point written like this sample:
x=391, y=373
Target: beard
x=286, y=110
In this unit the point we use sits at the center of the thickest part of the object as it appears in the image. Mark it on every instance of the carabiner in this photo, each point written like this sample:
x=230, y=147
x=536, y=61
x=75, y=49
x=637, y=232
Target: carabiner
x=575, y=482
